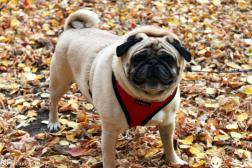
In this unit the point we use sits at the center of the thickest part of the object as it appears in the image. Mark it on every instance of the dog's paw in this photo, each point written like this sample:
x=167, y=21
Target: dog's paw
x=53, y=126
x=177, y=161
x=180, y=162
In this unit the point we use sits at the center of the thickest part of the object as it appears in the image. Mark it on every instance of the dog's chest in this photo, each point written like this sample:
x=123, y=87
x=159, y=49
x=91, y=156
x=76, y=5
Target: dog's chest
x=138, y=112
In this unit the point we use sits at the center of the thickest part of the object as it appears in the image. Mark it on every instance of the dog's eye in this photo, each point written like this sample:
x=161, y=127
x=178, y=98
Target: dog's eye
x=138, y=58
x=167, y=58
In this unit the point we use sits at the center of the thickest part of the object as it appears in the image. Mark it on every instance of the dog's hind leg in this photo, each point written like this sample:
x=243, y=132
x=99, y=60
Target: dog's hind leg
x=60, y=81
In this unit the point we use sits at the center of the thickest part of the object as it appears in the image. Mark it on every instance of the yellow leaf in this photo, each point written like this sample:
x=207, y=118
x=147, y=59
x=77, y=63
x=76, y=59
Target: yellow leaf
x=1, y=147
x=57, y=158
x=34, y=69
x=15, y=22
x=221, y=137
x=54, y=22
x=61, y=166
x=151, y=152
x=70, y=137
x=203, y=51
x=26, y=104
x=187, y=141
x=184, y=146
x=190, y=76
x=6, y=62
x=172, y=21
x=32, y=113
x=13, y=3
x=27, y=69
x=196, y=149
x=216, y=2
x=198, y=164
x=248, y=90
x=63, y=121
x=158, y=4
x=243, y=116
x=243, y=4
x=5, y=39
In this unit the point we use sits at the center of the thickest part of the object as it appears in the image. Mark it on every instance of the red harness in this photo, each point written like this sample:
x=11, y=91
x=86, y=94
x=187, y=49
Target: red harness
x=138, y=112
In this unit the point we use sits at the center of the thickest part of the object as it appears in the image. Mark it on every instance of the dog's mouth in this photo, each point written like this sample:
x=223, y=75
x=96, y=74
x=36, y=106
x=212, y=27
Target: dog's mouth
x=153, y=74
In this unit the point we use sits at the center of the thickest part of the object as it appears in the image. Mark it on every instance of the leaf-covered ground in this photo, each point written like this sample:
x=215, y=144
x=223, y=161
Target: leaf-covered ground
x=214, y=123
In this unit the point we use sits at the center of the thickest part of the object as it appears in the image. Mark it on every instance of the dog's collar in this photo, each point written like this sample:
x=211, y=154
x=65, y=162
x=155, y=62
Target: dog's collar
x=138, y=112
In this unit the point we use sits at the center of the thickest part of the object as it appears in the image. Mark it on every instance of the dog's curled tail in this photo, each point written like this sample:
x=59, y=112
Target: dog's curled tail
x=80, y=19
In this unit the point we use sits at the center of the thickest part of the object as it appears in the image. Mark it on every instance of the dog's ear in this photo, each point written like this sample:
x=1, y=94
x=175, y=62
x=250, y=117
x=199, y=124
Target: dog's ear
x=123, y=48
x=183, y=52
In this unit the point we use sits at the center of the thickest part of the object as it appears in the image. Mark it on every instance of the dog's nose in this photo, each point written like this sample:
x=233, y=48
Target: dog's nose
x=153, y=62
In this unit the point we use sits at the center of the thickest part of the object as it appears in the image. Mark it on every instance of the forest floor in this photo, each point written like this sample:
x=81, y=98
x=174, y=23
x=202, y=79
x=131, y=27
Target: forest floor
x=214, y=123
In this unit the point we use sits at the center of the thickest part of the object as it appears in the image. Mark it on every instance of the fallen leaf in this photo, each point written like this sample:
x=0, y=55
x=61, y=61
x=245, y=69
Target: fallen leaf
x=221, y=137
x=72, y=124
x=63, y=142
x=15, y=22
x=1, y=147
x=44, y=95
x=210, y=91
x=216, y=2
x=71, y=136
x=151, y=152
x=88, y=106
x=249, y=79
x=188, y=140
x=196, y=149
x=216, y=162
x=243, y=154
x=57, y=158
x=242, y=117
x=232, y=126
x=63, y=121
x=32, y=113
x=198, y=164
x=248, y=90
x=41, y=136
x=77, y=151
x=235, y=135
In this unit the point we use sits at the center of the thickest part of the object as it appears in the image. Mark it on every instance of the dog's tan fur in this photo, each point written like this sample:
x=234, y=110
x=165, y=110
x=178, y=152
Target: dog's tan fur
x=86, y=55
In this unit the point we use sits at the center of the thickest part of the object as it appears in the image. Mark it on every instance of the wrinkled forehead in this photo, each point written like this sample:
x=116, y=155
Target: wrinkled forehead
x=151, y=31
x=153, y=43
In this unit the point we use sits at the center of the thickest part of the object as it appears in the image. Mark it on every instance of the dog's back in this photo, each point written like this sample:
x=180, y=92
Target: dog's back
x=81, y=34
x=74, y=54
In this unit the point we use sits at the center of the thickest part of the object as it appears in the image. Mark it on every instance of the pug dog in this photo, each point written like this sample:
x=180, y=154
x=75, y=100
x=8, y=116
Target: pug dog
x=131, y=80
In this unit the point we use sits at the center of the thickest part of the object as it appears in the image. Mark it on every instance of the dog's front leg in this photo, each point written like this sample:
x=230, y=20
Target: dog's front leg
x=108, y=148
x=166, y=134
